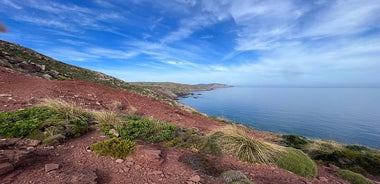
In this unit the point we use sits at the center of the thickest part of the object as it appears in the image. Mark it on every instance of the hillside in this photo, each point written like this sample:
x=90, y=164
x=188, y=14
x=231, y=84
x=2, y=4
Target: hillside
x=78, y=131
x=25, y=60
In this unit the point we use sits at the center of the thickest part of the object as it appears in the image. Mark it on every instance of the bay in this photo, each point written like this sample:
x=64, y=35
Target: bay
x=347, y=115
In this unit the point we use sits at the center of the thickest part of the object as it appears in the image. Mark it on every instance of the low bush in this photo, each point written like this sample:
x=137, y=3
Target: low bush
x=136, y=127
x=21, y=123
x=295, y=141
x=296, y=161
x=184, y=138
x=353, y=178
x=354, y=158
x=45, y=123
x=114, y=147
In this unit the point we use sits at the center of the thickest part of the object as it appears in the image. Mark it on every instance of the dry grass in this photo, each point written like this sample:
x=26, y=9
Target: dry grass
x=106, y=118
x=68, y=109
x=322, y=145
x=117, y=106
x=236, y=142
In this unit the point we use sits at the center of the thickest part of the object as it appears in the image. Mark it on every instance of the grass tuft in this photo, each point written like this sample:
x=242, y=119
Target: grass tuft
x=68, y=109
x=106, y=118
x=234, y=142
x=114, y=147
x=353, y=178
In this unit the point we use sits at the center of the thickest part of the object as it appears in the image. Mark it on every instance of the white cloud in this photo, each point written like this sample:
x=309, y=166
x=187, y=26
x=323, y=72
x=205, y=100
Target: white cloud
x=345, y=17
x=189, y=26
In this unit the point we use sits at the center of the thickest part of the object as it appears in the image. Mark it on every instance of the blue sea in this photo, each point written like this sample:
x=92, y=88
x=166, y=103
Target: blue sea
x=346, y=115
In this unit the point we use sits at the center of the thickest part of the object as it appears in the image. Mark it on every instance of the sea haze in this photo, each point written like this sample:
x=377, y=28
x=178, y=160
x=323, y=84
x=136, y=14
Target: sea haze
x=347, y=115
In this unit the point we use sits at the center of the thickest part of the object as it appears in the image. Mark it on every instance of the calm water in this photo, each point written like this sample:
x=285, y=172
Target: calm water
x=348, y=115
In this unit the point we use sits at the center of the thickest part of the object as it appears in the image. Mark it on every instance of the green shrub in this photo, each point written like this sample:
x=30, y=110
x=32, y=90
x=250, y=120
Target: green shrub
x=23, y=122
x=353, y=178
x=210, y=146
x=147, y=130
x=353, y=158
x=296, y=161
x=295, y=141
x=44, y=122
x=184, y=139
x=114, y=147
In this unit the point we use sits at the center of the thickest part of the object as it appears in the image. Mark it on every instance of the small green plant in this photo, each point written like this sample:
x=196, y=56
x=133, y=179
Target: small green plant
x=353, y=178
x=22, y=123
x=146, y=129
x=296, y=161
x=295, y=141
x=184, y=138
x=45, y=123
x=115, y=147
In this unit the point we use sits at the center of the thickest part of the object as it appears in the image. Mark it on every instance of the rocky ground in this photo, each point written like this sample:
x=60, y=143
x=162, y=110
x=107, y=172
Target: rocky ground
x=73, y=162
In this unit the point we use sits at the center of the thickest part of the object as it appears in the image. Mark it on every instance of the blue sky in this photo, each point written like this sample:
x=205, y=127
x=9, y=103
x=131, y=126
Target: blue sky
x=240, y=42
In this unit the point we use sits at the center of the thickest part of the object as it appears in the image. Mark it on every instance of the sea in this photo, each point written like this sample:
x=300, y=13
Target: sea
x=346, y=115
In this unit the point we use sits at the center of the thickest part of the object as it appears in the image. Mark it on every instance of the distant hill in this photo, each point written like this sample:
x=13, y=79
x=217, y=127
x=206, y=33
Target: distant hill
x=176, y=90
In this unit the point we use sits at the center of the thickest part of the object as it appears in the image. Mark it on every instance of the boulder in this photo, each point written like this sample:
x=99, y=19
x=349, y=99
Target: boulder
x=195, y=179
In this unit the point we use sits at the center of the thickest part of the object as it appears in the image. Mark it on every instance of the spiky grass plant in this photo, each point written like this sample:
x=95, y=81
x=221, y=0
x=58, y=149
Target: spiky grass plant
x=68, y=109
x=106, y=118
x=235, y=142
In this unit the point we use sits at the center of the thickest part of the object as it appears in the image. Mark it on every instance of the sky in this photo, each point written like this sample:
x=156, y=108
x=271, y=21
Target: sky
x=238, y=42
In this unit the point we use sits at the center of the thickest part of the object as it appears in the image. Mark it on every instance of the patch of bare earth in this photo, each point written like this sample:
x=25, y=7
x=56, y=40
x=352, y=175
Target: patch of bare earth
x=150, y=163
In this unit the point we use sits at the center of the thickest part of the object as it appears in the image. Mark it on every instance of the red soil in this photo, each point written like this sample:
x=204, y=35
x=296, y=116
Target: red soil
x=19, y=90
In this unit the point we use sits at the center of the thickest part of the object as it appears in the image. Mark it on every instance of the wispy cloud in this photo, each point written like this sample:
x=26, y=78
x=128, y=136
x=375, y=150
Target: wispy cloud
x=344, y=17
x=11, y=4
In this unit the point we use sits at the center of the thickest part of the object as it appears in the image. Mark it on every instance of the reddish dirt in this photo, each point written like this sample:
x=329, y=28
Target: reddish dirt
x=20, y=90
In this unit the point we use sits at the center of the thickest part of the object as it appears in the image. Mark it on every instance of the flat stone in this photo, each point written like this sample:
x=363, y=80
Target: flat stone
x=33, y=143
x=119, y=161
x=5, y=95
x=114, y=132
x=126, y=169
x=129, y=163
x=51, y=167
x=157, y=172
